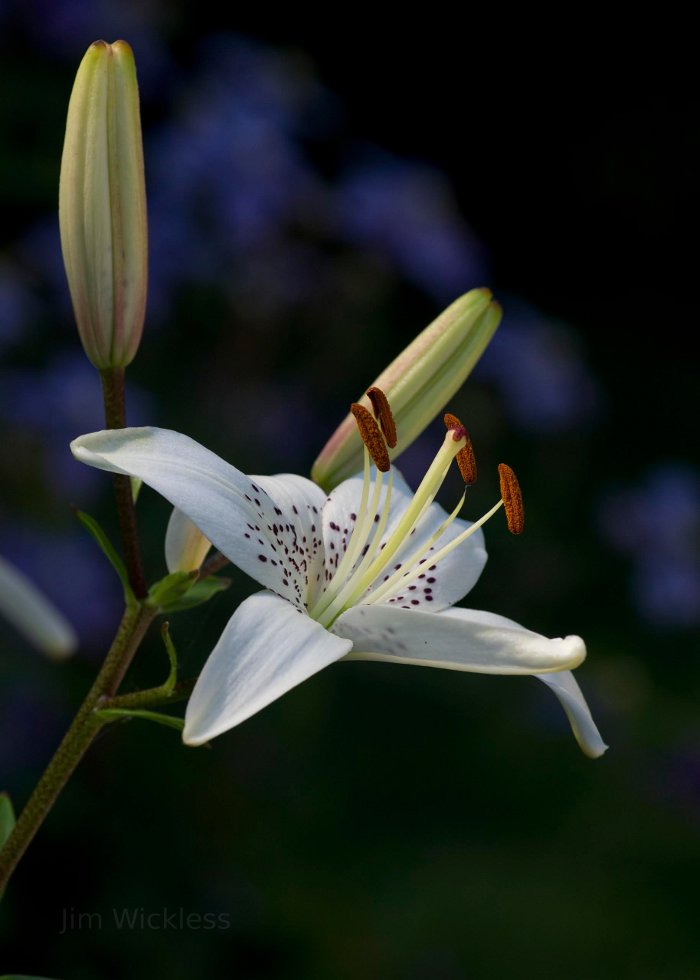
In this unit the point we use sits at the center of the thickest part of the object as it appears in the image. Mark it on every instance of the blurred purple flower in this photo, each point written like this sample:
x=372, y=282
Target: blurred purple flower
x=282, y=403
x=32, y=723
x=67, y=568
x=40, y=251
x=407, y=210
x=657, y=524
x=66, y=28
x=229, y=177
x=234, y=188
x=55, y=404
x=17, y=307
x=675, y=778
x=232, y=184
x=540, y=372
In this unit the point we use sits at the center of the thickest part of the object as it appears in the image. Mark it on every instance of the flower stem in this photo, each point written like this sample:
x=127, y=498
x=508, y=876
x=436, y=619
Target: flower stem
x=213, y=565
x=85, y=726
x=115, y=418
x=152, y=697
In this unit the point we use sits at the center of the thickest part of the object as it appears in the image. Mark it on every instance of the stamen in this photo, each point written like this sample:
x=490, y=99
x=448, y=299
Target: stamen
x=465, y=457
x=349, y=589
x=367, y=554
x=411, y=568
x=363, y=521
x=422, y=499
x=461, y=538
x=371, y=436
x=512, y=499
x=382, y=412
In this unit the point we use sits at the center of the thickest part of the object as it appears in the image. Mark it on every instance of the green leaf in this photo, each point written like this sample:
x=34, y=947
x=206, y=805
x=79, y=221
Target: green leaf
x=21, y=976
x=112, y=714
x=183, y=590
x=169, y=685
x=198, y=593
x=108, y=549
x=170, y=589
x=7, y=817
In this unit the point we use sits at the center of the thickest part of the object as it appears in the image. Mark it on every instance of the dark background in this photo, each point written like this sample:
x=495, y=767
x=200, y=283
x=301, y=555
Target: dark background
x=318, y=192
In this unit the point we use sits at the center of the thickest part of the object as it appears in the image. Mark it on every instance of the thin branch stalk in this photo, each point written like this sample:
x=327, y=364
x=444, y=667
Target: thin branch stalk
x=115, y=418
x=85, y=726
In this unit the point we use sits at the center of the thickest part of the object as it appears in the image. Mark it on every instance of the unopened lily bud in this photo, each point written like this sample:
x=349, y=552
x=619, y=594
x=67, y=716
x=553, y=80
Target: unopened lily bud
x=102, y=205
x=185, y=545
x=419, y=383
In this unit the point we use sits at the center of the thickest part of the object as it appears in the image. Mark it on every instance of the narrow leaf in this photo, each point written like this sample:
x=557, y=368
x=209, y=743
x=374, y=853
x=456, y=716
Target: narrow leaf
x=170, y=589
x=7, y=817
x=108, y=549
x=113, y=714
x=199, y=593
x=21, y=976
x=169, y=684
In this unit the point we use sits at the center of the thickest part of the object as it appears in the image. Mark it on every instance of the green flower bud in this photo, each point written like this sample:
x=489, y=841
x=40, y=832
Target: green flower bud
x=102, y=205
x=419, y=383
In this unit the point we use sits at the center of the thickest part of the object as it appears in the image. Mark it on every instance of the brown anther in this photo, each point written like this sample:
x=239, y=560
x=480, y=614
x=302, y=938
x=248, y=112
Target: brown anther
x=512, y=498
x=382, y=413
x=465, y=457
x=372, y=437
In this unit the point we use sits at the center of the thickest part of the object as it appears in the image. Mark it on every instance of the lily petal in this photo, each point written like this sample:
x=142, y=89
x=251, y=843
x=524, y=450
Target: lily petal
x=344, y=500
x=574, y=704
x=302, y=502
x=456, y=639
x=441, y=584
x=266, y=649
x=31, y=613
x=254, y=531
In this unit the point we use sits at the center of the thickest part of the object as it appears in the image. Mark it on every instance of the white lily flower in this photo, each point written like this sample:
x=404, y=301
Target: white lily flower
x=369, y=572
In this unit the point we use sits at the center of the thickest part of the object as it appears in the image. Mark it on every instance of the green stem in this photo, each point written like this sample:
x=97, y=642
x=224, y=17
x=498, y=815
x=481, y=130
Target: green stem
x=115, y=418
x=213, y=565
x=152, y=697
x=135, y=621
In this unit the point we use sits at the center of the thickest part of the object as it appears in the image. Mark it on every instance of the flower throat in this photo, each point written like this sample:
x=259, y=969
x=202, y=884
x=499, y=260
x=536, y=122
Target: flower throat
x=367, y=556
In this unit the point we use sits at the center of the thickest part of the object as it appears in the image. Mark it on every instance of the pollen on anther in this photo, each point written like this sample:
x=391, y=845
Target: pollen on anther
x=465, y=457
x=383, y=414
x=371, y=436
x=512, y=498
